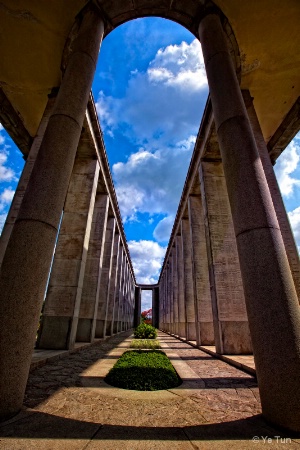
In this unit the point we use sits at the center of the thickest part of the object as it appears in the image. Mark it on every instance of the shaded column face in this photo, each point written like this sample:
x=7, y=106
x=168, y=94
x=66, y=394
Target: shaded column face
x=112, y=287
x=117, y=315
x=232, y=335
x=175, y=291
x=162, y=302
x=189, y=295
x=24, y=179
x=29, y=251
x=89, y=298
x=180, y=277
x=60, y=314
x=285, y=227
x=105, y=278
x=203, y=305
x=170, y=295
x=271, y=298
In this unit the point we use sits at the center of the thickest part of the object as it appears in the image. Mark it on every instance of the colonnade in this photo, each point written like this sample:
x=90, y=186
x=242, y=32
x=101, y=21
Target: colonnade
x=226, y=246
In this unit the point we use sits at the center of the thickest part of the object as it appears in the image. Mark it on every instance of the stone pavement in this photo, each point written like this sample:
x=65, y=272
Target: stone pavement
x=63, y=411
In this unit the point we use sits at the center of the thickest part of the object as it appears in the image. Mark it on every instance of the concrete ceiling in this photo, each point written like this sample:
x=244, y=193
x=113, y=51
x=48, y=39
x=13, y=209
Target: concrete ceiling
x=33, y=34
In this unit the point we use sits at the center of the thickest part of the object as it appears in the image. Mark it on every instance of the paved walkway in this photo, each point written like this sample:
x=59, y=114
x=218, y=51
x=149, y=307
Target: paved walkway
x=68, y=406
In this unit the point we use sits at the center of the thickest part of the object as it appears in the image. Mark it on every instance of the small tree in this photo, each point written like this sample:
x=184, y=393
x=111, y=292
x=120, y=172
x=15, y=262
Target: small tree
x=147, y=316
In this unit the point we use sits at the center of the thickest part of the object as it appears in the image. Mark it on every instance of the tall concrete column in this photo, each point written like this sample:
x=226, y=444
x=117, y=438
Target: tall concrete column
x=155, y=307
x=162, y=301
x=282, y=217
x=170, y=294
x=271, y=298
x=189, y=294
x=24, y=179
x=92, y=277
x=231, y=329
x=124, y=303
x=118, y=291
x=175, y=291
x=60, y=314
x=203, y=306
x=27, y=260
x=167, y=303
x=112, y=287
x=105, y=279
x=180, y=276
x=137, y=306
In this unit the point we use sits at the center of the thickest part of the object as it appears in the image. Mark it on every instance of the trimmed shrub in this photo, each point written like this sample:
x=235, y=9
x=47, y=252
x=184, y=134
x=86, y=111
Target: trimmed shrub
x=144, y=331
x=145, y=343
x=143, y=370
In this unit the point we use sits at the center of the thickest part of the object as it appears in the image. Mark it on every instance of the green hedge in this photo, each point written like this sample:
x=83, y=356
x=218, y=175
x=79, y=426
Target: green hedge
x=143, y=370
x=144, y=331
x=144, y=343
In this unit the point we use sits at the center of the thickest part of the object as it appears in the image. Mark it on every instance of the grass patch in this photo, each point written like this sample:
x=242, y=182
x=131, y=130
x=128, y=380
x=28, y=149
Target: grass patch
x=143, y=370
x=145, y=343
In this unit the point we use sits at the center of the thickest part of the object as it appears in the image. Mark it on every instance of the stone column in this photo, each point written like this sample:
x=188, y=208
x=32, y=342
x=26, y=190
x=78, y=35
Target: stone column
x=282, y=216
x=203, y=307
x=232, y=335
x=118, y=291
x=60, y=314
x=27, y=260
x=137, y=306
x=189, y=294
x=91, y=283
x=175, y=291
x=271, y=298
x=105, y=278
x=155, y=307
x=162, y=301
x=124, y=308
x=180, y=276
x=167, y=302
x=170, y=294
x=112, y=287
x=24, y=179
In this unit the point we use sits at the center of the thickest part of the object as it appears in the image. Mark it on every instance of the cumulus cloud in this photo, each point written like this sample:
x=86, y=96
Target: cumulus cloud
x=179, y=66
x=163, y=229
x=6, y=173
x=285, y=166
x=152, y=182
x=294, y=217
x=147, y=258
x=163, y=104
x=2, y=221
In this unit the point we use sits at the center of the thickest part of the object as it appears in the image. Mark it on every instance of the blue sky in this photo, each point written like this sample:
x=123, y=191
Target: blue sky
x=150, y=89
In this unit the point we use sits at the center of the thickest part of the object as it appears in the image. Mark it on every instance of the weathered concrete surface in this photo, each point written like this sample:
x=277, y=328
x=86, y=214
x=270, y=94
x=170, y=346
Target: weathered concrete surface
x=271, y=298
x=224, y=413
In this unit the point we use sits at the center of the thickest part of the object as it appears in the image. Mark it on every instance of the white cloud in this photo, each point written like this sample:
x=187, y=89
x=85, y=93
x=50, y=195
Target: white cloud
x=163, y=229
x=285, y=166
x=6, y=174
x=2, y=221
x=294, y=217
x=179, y=66
x=146, y=300
x=147, y=258
x=152, y=182
x=6, y=196
x=165, y=103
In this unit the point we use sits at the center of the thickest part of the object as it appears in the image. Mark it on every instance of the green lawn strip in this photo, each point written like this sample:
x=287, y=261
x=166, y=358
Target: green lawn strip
x=145, y=343
x=143, y=370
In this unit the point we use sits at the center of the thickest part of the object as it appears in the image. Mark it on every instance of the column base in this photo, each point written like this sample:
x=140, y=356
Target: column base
x=54, y=333
x=207, y=336
x=100, y=329
x=108, y=328
x=181, y=329
x=236, y=338
x=84, y=329
x=191, y=331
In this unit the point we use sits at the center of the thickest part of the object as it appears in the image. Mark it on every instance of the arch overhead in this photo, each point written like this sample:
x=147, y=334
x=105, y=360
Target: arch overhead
x=263, y=38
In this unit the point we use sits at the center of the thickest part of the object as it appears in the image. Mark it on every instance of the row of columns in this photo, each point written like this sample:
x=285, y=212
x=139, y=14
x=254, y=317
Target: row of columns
x=234, y=256
x=272, y=307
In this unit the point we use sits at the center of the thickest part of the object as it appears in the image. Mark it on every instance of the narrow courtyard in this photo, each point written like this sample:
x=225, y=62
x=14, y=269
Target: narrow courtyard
x=64, y=411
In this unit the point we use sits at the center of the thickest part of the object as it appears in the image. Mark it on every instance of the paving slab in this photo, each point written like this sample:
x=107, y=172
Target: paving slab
x=69, y=406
